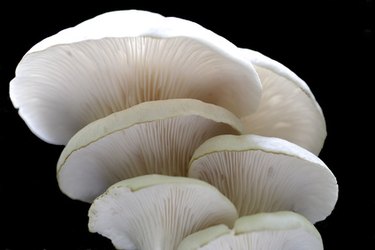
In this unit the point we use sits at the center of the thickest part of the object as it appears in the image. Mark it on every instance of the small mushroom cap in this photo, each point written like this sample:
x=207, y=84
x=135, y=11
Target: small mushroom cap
x=157, y=212
x=288, y=108
x=157, y=137
x=264, y=231
x=122, y=58
x=262, y=174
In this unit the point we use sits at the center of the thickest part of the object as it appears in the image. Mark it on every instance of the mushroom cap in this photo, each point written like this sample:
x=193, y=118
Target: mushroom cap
x=157, y=137
x=157, y=212
x=288, y=108
x=264, y=231
x=119, y=59
x=262, y=174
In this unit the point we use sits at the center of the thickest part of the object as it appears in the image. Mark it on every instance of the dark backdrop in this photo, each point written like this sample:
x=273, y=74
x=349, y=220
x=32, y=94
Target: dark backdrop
x=329, y=44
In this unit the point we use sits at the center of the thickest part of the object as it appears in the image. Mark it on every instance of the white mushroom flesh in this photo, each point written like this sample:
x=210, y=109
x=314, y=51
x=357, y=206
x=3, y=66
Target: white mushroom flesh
x=260, y=174
x=266, y=231
x=156, y=137
x=288, y=109
x=158, y=215
x=88, y=72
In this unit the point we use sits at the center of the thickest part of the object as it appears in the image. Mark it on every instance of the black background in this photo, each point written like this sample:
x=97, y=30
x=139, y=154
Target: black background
x=329, y=44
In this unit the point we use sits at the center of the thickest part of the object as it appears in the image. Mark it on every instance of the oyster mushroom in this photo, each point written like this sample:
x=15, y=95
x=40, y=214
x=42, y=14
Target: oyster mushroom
x=157, y=212
x=288, y=108
x=262, y=174
x=157, y=137
x=122, y=58
x=266, y=231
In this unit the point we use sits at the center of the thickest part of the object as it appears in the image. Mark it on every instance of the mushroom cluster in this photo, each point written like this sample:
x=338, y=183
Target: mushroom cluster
x=178, y=138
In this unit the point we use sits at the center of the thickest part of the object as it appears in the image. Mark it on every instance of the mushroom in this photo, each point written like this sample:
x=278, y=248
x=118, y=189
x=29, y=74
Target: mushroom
x=288, y=109
x=133, y=93
x=262, y=174
x=266, y=231
x=119, y=59
x=157, y=137
x=157, y=212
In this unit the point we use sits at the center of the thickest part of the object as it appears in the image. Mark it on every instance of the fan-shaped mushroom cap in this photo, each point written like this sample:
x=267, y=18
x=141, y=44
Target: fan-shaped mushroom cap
x=157, y=137
x=157, y=212
x=265, y=231
x=262, y=174
x=119, y=59
x=288, y=109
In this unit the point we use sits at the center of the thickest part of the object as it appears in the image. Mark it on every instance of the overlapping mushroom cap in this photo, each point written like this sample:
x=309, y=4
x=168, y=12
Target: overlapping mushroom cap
x=288, y=108
x=265, y=231
x=157, y=137
x=122, y=58
x=262, y=174
x=157, y=212
x=104, y=89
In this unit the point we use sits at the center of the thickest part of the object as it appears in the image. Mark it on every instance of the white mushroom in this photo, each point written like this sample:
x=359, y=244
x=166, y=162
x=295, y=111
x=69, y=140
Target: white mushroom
x=122, y=58
x=265, y=231
x=157, y=137
x=288, y=109
x=139, y=99
x=261, y=174
x=157, y=212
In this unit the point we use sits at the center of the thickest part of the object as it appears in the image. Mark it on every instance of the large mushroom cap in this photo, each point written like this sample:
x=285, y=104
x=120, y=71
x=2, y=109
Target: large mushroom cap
x=261, y=174
x=157, y=212
x=288, y=109
x=157, y=137
x=122, y=58
x=265, y=231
